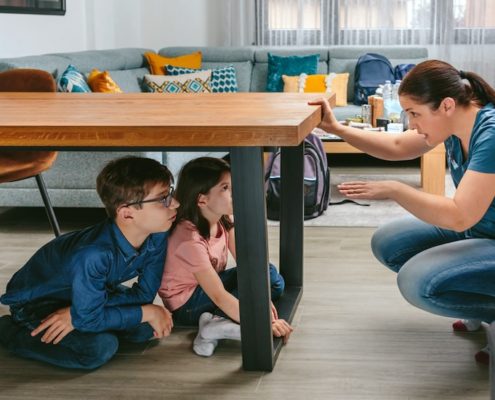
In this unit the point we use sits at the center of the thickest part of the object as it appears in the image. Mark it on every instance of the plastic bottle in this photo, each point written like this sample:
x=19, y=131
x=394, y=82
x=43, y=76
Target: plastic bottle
x=395, y=109
x=387, y=98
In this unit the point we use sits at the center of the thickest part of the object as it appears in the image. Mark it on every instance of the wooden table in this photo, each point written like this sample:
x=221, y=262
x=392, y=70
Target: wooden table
x=432, y=164
x=242, y=123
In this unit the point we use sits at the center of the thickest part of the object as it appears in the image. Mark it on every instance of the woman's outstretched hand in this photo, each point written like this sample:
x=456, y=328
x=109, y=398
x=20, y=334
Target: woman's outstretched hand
x=379, y=190
x=328, y=122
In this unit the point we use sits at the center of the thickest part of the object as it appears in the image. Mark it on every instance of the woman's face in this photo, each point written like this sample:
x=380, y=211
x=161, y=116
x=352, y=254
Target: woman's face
x=433, y=125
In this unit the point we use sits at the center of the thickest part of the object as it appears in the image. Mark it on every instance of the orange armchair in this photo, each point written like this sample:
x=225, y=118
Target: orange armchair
x=17, y=165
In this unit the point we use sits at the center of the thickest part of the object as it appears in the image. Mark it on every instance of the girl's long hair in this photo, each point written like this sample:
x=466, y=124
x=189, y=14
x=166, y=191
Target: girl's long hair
x=197, y=177
x=432, y=81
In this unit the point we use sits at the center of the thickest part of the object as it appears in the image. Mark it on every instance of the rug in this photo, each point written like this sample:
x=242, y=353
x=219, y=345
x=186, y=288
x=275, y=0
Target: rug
x=379, y=212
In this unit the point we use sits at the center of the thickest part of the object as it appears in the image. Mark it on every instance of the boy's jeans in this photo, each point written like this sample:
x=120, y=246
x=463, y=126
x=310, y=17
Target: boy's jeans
x=440, y=271
x=199, y=302
x=77, y=349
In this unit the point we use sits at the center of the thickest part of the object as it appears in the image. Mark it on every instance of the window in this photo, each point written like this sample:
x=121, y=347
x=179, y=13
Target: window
x=318, y=22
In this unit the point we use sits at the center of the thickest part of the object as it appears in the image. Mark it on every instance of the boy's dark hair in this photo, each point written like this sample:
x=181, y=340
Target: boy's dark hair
x=129, y=179
x=432, y=81
x=197, y=177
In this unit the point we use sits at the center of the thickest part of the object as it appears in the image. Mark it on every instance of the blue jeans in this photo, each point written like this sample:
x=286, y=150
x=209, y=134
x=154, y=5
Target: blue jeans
x=199, y=302
x=76, y=350
x=441, y=271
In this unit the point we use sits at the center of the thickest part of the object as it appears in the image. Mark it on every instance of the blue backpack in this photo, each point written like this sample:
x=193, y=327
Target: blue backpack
x=316, y=180
x=401, y=70
x=372, y=70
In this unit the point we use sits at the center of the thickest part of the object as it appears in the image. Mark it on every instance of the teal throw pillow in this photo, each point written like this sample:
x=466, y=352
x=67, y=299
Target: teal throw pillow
x=73, y=81
x=290, y=66
x=223, y=80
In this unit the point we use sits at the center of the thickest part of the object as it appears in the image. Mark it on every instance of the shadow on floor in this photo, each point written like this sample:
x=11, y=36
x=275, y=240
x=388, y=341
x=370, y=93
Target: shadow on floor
x=35, y=220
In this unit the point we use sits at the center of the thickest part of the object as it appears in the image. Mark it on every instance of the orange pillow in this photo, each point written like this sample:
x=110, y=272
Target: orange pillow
x=157, y=62
x=336, y=83
x=102, y=82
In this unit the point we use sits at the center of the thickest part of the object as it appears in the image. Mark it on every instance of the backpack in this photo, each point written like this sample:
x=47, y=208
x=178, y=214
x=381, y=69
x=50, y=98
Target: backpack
x=316, y=180
x=401, y=70
x=371, y=71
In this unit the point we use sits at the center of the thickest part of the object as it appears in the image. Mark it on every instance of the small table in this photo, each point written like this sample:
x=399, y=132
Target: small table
x=242, y=123
x=432, y=164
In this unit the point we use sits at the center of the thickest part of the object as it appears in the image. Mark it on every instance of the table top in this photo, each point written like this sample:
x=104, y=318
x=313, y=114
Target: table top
x=156, y=120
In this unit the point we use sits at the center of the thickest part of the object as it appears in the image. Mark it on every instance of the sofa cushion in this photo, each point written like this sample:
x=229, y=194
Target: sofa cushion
x=197, y=82
x=53, y=64
x=241, y=58
x=130, y=80
x=106, y=60
x=223, y=80
x=341, y=113
x=290, y=65
x=102, y=82
x=157, y=62
x=72, y=81
x=332, y=82
x=260, y=68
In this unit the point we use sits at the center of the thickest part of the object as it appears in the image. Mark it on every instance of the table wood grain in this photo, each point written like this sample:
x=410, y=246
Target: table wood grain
x=156, y=120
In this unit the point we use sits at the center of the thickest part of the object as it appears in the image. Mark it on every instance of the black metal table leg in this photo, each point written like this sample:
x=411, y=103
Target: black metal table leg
x=252, y=258
x=292, y=215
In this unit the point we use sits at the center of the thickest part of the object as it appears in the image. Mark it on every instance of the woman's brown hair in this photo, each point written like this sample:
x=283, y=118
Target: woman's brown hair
x=432, y=81
x=197, y=177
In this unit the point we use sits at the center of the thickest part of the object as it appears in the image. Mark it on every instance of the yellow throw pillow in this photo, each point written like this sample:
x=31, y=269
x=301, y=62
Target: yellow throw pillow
x=102, y=82
x=336, y=83
x=158, y=62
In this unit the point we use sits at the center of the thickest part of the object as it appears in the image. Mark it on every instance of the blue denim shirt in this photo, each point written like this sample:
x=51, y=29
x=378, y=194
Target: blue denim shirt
x=86, y=268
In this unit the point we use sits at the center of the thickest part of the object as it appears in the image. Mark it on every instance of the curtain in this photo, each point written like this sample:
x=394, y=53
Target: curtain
x=461, y=32
x=239, y=22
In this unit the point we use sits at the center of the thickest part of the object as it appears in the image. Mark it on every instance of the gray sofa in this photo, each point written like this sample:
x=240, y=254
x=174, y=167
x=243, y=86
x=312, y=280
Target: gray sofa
x=71, y=182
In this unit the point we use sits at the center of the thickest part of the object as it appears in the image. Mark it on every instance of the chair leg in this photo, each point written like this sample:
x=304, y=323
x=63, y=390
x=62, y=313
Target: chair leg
x=48, y=205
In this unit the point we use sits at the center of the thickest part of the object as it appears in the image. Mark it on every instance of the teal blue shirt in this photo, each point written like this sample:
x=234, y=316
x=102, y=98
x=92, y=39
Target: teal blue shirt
x=480, y=158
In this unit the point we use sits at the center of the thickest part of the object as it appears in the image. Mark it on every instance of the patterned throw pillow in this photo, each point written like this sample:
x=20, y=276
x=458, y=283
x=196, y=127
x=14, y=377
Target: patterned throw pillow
x=102, y=82
x=72, y=81
x=223, y=79
x=156, y=62
x=291, y=66
x=336, y=83
x=198, y=82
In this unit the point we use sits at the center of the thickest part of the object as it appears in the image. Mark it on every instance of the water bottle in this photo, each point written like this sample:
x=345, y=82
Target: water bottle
x=387, y=98
x=394, y=111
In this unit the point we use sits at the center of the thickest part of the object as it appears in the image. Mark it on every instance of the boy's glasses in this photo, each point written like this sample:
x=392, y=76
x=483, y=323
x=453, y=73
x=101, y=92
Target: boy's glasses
x=165, y=200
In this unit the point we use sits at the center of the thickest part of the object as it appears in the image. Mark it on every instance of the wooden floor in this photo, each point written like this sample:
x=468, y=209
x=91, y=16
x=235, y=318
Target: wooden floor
x=355, y=337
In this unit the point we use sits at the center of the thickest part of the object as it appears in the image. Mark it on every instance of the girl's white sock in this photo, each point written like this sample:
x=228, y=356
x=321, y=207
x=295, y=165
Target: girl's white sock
x=466, y=325
x=221, y=328
x=202, y=346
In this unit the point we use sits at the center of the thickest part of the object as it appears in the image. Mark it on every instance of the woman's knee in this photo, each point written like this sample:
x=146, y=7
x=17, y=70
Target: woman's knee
x=393, y=244
x=383, y=246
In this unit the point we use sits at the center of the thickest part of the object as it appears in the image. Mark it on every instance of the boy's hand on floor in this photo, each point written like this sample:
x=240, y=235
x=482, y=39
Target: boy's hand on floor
x=281, y=328
x=159, y=318
x=57, y=326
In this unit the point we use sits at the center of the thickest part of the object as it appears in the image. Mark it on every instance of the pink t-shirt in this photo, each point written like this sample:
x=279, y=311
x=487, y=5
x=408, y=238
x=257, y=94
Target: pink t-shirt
x=188, y=252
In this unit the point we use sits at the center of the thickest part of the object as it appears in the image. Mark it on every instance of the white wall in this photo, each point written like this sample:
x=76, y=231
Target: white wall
x=25, y=34
x=102, y=24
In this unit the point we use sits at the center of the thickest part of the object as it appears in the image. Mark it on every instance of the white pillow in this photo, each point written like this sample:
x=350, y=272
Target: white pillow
x=197, y=82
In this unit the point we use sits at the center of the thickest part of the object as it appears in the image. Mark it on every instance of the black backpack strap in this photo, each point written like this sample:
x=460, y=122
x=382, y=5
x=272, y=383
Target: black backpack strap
x=335, y=203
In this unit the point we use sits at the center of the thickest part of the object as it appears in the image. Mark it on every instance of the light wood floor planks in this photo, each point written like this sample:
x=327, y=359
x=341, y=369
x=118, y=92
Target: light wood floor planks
x=355, y=337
